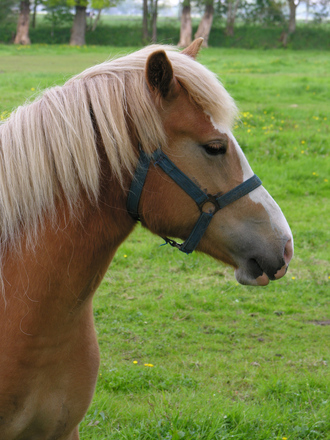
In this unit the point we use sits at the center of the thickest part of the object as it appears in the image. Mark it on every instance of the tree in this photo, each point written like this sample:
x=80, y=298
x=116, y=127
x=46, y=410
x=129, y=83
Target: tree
x=36, y=3
x=321, y=10
x=264, y=12
x=145, y=31
x=23, y=23
x=186, y=26
x=6, y=10
x=78, y=30
x=154, y=16
x=292, y=21
x=232, y=7
x=292, y=17
x=99, y=5
x=149, y=21
x=205, y=25
x=58, y=13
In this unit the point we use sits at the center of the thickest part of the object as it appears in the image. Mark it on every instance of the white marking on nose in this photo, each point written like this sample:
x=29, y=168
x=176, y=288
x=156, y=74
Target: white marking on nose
x=260, y=195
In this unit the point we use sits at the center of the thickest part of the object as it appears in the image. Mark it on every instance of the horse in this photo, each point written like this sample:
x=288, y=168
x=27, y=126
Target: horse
x=146, y=137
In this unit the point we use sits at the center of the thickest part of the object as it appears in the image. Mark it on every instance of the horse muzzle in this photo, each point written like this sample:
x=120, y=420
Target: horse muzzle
x=258, y=271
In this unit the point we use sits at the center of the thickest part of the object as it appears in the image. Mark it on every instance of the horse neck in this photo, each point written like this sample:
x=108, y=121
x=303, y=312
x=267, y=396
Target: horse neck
x=56, y=277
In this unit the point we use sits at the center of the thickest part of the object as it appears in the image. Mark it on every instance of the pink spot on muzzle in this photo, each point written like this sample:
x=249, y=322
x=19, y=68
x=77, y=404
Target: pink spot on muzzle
x=288, y=254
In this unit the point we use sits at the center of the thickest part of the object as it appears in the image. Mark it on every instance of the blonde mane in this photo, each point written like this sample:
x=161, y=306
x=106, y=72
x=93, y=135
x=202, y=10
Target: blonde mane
x=48, y=147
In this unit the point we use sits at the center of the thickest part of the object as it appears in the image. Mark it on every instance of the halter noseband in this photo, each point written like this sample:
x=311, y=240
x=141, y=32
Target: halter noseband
x=200, y=197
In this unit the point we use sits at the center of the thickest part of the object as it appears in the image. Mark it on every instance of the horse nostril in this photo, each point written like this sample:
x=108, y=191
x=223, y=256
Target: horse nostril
x=288, y=251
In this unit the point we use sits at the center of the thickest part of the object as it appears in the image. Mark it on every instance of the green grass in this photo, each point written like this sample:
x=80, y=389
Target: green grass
x=228, y=361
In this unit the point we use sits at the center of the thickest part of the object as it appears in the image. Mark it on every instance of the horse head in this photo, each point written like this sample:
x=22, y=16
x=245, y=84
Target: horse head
x=250, y=233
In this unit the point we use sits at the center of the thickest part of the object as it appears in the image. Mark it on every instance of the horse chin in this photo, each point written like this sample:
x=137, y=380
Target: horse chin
x=245, y=278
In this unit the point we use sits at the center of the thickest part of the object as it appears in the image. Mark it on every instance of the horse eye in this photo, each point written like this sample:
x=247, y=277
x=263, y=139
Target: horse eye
x=215, y=148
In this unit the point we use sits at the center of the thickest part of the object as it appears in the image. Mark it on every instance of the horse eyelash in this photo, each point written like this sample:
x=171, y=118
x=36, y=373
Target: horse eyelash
x=213, y=150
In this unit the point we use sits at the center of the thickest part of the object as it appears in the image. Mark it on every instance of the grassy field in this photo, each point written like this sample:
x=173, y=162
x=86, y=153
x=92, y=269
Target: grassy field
x=187, y=353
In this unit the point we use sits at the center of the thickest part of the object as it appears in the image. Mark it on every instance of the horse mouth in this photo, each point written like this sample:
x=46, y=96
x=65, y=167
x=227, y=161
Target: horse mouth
x=245, y=277
x=252, y=274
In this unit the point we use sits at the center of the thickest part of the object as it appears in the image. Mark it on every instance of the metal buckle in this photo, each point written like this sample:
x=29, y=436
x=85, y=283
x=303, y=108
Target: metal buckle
x=212, y=200
x=172, y=243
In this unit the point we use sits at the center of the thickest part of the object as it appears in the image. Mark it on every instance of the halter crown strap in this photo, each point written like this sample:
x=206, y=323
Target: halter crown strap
x=200, y=197
x=137, y=184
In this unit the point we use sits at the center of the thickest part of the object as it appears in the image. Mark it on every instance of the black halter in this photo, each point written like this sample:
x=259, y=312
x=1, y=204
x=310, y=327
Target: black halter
x=200, y=197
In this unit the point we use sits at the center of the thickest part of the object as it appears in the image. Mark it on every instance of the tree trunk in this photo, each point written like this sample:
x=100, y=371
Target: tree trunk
x=97, y=19
x=78, y=30
x=231, y=16
x=205, y=24
x=186, y=27
x=284, y=38
x=145, y=32
x=22, y=32
x=34, y=15
x=229, y=31
x=154, y=21
x=292, y=17
x=307, y=11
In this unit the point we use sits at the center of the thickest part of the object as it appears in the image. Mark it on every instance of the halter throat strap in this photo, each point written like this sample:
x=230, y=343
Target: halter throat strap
x=159, y=158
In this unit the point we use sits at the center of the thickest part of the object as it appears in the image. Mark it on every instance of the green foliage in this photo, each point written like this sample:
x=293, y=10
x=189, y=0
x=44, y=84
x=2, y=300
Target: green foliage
x=186, y=352
x=58, y=13
x=101, y=4
x=260, y=37
x=6, y=11
x=266, y=12
x=73, y=3
x=321, y=11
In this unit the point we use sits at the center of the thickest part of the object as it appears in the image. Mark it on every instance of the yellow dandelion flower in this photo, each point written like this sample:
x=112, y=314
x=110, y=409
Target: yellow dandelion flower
x=135, y=362
x=4, y=115
x=125, y=256
x=293, y=278
x=326, y=180
x=302, y=151
x=303, y=142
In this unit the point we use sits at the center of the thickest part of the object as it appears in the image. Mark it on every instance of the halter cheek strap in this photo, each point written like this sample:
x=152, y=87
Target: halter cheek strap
x=200, y=197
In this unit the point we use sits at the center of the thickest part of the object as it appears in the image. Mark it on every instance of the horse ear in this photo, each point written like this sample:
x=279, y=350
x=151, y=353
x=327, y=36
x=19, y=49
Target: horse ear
x=160, y=76
x=193, y=49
